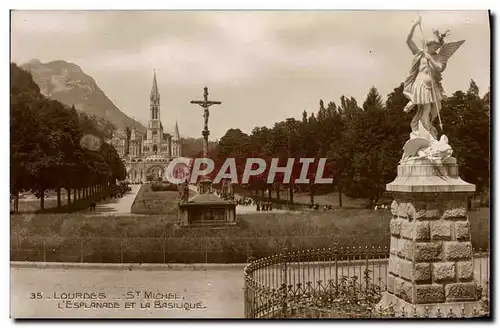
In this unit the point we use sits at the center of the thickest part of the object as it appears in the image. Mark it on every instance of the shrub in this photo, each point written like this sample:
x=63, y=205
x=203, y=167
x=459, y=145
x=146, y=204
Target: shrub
x=157, y=202
x=163, y=187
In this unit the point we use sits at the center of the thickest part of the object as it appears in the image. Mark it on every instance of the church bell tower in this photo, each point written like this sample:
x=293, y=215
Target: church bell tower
x=155, y=130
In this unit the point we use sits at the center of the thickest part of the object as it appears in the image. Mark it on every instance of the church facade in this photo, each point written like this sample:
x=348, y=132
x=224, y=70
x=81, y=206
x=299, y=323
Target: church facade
x=147, y=156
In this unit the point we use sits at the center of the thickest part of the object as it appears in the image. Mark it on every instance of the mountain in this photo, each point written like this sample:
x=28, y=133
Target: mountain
x=67, y=83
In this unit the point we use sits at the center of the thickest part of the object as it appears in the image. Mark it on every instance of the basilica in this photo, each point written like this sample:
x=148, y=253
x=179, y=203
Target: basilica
x=147, y=156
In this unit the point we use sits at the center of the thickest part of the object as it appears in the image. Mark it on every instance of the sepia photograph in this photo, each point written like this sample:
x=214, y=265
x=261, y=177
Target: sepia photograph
x=250, y=164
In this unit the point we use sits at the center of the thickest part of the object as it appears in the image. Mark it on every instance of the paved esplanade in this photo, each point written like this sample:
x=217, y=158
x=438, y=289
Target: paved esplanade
x=117, y=206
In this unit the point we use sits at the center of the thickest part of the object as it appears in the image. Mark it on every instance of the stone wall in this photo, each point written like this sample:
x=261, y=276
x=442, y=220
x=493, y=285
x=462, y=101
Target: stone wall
x=431, y=251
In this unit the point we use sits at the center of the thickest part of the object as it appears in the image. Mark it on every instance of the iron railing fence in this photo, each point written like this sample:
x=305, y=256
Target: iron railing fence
x=450, y=312
x=338, y=282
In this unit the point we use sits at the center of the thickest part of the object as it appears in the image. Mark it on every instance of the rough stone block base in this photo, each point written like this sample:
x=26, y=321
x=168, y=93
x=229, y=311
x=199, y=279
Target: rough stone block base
x=398, y=304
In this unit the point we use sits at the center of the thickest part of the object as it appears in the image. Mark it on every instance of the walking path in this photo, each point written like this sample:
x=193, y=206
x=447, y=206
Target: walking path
x=117, y=206
x=244, y=209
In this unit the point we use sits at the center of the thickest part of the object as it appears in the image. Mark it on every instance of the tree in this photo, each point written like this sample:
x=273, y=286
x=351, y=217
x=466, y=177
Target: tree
x=487, y=102
x=304, y=116
x=61, y=125
x=113, y=163
x=467, y=126
x=24, y=137
x=56, y=127
x=397, y=124
x=368, y=133
x=234, y=144
x=46, y=150
x=373, y=101
x=473, y=89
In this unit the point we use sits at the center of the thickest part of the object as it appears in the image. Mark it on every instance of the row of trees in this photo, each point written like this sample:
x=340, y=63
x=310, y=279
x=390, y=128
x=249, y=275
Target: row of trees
x=362, y=144
x=46, y=146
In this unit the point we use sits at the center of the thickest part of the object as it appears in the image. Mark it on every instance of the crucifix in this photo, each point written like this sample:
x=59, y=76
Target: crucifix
x=206, y=182
x=205, y=104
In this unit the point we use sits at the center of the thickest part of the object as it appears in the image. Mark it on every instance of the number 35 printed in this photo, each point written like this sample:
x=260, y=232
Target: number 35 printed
x=36, y=296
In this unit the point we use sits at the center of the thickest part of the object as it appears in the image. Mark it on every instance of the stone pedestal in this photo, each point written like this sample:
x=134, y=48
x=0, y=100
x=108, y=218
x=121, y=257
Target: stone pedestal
x=430, y=262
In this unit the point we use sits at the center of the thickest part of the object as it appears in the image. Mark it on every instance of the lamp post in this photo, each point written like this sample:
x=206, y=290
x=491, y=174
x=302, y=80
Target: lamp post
x=291, y=185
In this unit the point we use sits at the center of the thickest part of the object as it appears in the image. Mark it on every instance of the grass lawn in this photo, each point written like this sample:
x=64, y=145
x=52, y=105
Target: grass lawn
x=152, y=202
x=33, y=205
x=29, y=203
x=304, y=198
x=155, y=238
x=330, y=199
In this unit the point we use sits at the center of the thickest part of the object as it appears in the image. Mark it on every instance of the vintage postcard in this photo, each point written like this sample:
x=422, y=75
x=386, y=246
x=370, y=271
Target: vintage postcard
x=250, y=164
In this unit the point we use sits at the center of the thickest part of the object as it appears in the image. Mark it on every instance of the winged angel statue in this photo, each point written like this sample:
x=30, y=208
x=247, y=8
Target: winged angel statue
x=424, y=90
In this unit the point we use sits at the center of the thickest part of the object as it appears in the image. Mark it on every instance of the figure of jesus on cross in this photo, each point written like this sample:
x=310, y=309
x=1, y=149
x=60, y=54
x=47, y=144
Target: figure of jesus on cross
x=205, y=183
x=205, y=103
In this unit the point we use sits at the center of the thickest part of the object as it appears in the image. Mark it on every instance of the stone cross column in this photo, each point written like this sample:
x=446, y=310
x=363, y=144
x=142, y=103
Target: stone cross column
x=430, y=263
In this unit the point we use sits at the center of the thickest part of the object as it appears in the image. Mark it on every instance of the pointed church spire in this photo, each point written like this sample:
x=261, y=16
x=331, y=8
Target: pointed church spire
x=132, y=132
x=176, y=131
x=155, y=94
x=154, y=104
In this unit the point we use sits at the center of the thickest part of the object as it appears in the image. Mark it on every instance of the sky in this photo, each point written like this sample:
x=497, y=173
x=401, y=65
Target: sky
x=264, y=66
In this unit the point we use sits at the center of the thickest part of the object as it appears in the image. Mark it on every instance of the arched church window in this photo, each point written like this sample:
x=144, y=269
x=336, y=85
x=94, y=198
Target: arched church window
x=155, y=148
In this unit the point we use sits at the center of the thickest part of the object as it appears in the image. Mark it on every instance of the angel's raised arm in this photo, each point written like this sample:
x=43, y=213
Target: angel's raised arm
x=409, y=40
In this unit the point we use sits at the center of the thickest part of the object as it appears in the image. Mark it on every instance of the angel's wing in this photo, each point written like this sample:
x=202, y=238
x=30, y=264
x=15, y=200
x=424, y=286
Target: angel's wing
x=448, y=49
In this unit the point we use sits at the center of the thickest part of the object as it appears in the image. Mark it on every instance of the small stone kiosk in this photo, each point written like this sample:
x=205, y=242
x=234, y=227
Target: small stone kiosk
x=430, y=272
x=205, y=208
